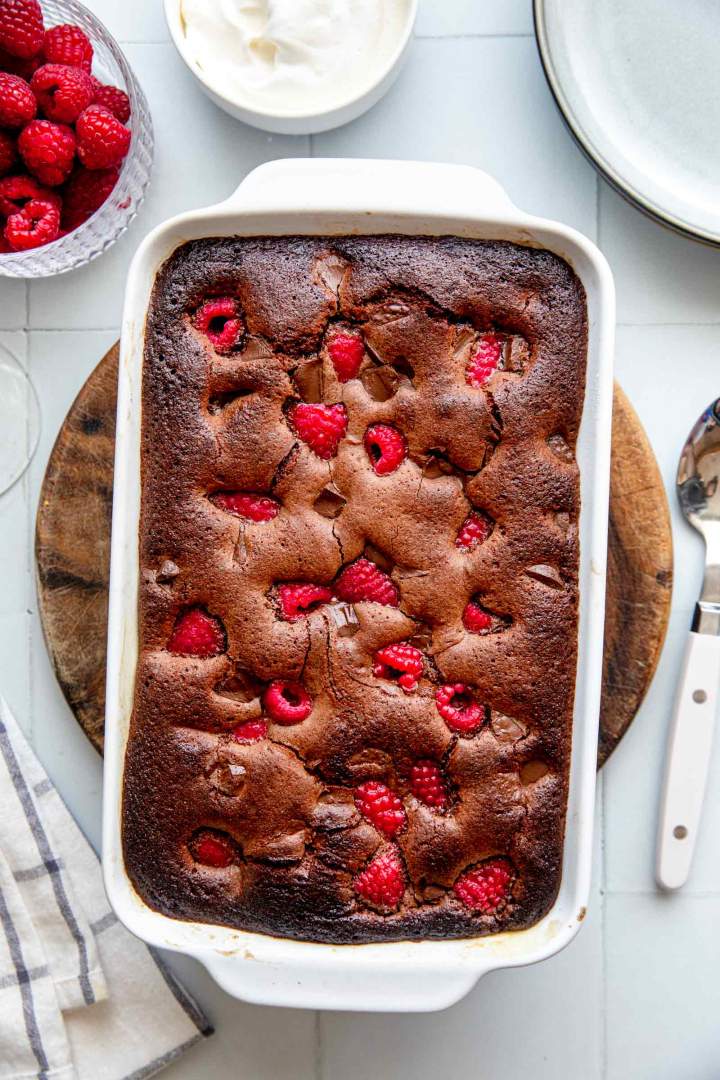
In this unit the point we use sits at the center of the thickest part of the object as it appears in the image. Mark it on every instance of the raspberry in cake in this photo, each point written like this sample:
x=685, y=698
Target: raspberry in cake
x=363, y=580
x=287, y=702
x=346, y=352
x=474, y=530
x=381, y=806
x=402, y=662
x=428, y=785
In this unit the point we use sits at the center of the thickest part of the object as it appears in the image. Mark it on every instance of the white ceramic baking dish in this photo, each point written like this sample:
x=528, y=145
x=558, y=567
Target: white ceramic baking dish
x=341, y=197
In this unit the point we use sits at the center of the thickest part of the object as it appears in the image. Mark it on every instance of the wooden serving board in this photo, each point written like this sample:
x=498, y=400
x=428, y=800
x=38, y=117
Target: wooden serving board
x=73, y=554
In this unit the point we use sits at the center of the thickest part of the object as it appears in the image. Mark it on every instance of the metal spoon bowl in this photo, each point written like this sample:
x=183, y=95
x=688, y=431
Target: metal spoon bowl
x=698, y=489
x=691, y=728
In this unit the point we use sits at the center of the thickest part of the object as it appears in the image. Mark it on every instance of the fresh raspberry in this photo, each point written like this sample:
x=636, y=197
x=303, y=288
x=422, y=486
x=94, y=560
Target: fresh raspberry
x=475, y=619
x=68, y=44
x=102, y=141
x=113, y=98
x=297, y=601
x=381, y=807
x=250, y=731
x=8, y=153
x=16, y=65
x=402, y=662
x=474, y=530
x=320, y=426
x=485, y=360
x=346, y=352
x=427, y=784
x=61, y=92
x=85, y=192
x=385, y=447
x=245, y=505
x=197, y=634
x=21, y=27
x=220, y=320
x=486, y=887
x=382, y=882
x=16, y=191
x=17, y=101
x=363, y=580
x=212, y=849
x=36, y=224
x=458, y=708
x=287, y=702
x=48, y=150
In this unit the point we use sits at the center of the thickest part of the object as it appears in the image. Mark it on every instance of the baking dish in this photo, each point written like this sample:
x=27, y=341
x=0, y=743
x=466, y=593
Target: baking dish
x=318, y=197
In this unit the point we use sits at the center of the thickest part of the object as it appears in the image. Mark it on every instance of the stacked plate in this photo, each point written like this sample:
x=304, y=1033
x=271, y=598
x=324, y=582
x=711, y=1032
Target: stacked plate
x=639, y=86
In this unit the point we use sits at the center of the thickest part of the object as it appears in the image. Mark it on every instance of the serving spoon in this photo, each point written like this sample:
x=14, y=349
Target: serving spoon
x=691, y=729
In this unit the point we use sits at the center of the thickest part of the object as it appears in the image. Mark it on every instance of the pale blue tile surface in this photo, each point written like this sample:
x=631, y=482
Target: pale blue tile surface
x=661, y=277
x=663, y=992
x=457, y=17
x=13, y=304
x=635, y=996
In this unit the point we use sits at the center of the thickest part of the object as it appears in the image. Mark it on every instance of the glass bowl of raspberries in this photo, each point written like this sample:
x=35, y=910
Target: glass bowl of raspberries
x=76, y=140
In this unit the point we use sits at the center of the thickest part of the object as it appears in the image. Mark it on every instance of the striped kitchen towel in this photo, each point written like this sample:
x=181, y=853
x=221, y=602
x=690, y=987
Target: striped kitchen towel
x=80, y=997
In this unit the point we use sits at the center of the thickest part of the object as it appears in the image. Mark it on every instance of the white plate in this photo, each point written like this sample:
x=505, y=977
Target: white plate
x=639, y=85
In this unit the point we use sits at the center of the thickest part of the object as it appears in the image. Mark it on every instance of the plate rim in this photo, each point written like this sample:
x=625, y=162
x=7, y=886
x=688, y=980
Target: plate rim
x=591, y=151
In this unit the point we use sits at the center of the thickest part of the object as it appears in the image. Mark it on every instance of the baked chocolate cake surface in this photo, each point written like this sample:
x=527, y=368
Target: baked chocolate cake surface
x=358, y=596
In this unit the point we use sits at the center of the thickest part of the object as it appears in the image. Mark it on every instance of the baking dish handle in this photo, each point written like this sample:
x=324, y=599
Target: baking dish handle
x=387, y=187
x=380, y=987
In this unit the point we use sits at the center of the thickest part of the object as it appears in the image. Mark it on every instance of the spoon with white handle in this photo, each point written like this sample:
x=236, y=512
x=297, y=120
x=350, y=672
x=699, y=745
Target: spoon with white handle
x=691, y=729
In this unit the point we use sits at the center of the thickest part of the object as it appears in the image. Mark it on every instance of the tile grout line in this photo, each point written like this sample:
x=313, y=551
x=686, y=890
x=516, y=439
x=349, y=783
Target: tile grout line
x=27, y=499
x=115, y=329
x=470, y=37
x=603, y=935
x=317, y=1046
x=604, y=992
x=686, y=894
x=418, y=37
x=698, y=324
x=603, y=805
x=597, y=211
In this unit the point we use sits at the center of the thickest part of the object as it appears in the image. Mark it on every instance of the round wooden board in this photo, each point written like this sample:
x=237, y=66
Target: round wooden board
x=73, y=555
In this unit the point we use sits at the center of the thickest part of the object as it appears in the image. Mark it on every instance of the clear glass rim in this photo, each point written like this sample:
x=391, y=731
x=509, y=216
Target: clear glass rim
x=33, y=420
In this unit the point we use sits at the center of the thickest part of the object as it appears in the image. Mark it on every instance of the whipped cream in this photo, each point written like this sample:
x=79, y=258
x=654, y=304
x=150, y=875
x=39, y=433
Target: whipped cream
x=292, y=56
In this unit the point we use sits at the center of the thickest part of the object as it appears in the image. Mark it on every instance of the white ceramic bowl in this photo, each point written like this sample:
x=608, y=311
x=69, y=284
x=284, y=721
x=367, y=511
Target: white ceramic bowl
x=317, y=197
x=109, y=221
x=296, y=123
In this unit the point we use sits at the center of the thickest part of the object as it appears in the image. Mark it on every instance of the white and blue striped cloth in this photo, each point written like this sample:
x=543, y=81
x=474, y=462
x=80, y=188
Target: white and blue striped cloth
x=80, y=997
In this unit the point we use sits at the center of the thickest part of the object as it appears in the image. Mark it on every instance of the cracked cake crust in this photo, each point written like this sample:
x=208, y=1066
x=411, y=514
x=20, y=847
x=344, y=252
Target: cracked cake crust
x=251, y=809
